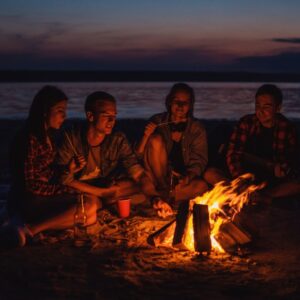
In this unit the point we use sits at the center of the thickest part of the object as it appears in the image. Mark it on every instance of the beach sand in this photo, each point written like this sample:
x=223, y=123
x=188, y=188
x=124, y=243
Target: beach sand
x=122, y=265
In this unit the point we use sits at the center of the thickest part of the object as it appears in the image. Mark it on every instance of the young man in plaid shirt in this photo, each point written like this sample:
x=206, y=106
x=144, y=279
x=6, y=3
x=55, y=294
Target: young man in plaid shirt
x=264, y=143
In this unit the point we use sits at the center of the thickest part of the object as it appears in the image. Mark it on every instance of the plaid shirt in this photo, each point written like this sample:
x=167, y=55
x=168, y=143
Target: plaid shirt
x=39, y=171
x=284, y=141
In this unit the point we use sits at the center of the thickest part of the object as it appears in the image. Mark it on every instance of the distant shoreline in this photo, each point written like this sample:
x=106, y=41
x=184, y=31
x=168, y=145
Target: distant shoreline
x=142, y=76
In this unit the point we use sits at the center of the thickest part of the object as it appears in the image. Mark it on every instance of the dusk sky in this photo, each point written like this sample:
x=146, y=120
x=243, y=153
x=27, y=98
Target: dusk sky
x=203, y=35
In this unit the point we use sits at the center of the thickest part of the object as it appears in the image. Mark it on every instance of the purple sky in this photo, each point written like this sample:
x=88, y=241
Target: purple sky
x=207, y=35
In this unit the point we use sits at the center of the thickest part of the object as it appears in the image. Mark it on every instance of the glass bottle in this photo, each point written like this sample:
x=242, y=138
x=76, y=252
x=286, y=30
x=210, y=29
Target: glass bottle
x=80, y=234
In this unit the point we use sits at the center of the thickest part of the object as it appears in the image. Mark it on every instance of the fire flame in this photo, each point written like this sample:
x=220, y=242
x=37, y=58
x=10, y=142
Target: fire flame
x=224, y=201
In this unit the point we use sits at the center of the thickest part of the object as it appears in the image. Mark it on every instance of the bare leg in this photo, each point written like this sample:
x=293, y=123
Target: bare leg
x=124, y=188
x=65, y=219
x=156, y=161
x=196, y=187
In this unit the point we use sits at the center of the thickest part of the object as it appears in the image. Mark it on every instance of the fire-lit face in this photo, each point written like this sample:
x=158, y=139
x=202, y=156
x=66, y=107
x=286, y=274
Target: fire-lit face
x=57, y=115
x=106, y=119
x=180, y=105
x=266, y=109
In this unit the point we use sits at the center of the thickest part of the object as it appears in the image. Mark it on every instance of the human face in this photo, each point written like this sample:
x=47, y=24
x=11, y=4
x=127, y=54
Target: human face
x=266, y=109
x=57, y=115
x=180, y=105
x=106, y=119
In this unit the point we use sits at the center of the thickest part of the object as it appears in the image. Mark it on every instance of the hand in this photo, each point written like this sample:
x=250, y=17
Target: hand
x=76, y=164
x=149, y=129
x=281, y=170
x=186, y=180
x=162, y=208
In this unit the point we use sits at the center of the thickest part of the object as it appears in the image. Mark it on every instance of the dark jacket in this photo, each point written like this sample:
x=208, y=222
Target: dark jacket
x=114, y=150
x=193, y=142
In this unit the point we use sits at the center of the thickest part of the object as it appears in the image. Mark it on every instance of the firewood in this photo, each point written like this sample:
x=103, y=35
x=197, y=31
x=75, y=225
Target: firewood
x=164, y=236
x=181, y=222
x=201, y=228
x=231, y=236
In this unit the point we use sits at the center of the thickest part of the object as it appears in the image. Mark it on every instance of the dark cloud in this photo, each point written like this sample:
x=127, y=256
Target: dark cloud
x=287, y=40
x=115, y=50
x=287, y=62
x=135, y=59
x=33, y=43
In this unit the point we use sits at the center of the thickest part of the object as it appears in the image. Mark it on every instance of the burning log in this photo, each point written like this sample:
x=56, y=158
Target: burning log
x=164, y=236
x=192, y=228
x=211, y=221
x=181, y=223
x=231, y=236
x=201, y=224
x=176, y=234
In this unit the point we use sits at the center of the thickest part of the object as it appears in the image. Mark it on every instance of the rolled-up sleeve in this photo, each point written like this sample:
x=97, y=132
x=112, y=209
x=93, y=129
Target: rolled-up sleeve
x=128, y=158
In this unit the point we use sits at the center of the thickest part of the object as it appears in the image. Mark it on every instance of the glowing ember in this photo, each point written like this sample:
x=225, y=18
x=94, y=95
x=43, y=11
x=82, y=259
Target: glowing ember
x=224, y=202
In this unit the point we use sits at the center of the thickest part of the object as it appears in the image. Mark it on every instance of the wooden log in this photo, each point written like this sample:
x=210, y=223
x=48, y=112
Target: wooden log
x=172, y=233
x=231, y=236
x=201, y=225
x=164, y=236
x=181, y=222
x=226, y=241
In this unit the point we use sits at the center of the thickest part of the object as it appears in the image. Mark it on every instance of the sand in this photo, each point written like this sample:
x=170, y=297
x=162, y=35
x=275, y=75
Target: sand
x=120, y=264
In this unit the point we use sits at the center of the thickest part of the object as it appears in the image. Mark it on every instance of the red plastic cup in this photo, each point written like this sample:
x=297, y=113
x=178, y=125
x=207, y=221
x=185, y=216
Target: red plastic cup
x=124, y=207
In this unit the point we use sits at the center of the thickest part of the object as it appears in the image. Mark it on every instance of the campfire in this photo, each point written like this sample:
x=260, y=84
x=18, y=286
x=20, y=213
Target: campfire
x=210, y=222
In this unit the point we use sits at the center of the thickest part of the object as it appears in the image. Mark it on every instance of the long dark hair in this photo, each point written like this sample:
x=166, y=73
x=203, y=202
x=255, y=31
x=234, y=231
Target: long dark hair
x=42, y=102
x=181, y=87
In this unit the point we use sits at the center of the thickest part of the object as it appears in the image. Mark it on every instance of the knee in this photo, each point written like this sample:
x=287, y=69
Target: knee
x=213, y=175
x=156, y=141
x=200, y=186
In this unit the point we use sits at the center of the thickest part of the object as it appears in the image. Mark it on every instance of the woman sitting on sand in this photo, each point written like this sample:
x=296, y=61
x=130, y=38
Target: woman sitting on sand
x=37, y=199
x=174, y=148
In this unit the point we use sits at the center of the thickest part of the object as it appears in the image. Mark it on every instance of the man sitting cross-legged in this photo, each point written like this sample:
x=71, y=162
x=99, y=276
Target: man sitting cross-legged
x=265, y=143
x=100, y=162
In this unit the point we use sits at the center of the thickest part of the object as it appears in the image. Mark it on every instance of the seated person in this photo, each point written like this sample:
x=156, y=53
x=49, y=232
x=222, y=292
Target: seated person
x=37, y=198
x=264, y=143
x=108, y=166
x=174, y=147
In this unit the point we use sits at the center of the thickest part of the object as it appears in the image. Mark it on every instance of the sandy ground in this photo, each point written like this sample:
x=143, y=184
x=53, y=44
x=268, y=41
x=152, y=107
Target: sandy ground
x=120, y=264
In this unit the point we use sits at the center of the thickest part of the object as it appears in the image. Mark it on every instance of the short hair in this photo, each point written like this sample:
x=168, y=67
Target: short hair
x=180, y=87
x=272, y=90
x=95, y=101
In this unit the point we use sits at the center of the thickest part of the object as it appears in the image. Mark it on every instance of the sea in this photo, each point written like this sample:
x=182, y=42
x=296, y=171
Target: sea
x=214, y=100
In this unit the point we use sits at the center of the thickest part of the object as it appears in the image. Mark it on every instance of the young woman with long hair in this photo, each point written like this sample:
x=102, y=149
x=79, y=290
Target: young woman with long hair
x=37, y=198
